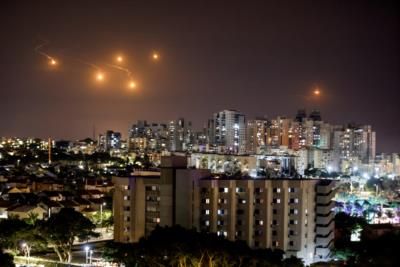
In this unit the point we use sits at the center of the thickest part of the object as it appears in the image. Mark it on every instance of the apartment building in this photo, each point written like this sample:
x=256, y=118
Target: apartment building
x=294, y=215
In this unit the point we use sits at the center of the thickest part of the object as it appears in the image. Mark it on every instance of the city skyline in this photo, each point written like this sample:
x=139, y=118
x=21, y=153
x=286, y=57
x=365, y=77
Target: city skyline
x=259, y=58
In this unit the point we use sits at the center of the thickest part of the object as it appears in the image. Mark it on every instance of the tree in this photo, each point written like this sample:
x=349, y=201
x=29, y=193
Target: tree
x=293, y=261
x=176, y=246
x=6, y=260
x=63, y=228
x=14, y=232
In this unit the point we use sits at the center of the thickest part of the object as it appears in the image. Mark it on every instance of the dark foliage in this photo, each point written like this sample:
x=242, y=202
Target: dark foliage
x=176, y=246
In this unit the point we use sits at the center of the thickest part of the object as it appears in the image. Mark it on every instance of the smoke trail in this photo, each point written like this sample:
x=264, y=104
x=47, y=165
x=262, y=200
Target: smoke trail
x=39, y=51
x=127, y=71
x=88, y=64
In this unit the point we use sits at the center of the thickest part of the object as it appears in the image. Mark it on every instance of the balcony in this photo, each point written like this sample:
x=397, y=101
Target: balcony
x=325, y=209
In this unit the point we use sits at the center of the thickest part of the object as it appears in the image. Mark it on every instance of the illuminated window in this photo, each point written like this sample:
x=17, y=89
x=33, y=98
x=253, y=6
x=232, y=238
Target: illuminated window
x=276, y=200
x=242, y=201
x=239, y=190
x=276, y=190
x=223, y=189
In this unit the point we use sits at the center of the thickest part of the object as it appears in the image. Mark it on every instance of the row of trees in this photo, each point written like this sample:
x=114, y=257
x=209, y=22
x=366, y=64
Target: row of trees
x=176, y=246
x=59, y=232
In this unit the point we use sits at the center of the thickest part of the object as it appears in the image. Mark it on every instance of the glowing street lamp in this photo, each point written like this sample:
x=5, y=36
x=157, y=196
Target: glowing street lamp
x=101, y=212
x=87, y=253
x=90, y=257
x=329, y=169
x=27, y=250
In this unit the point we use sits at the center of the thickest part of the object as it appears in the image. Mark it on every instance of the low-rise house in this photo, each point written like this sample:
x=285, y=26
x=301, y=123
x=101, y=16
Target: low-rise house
x=4, y=206
x=26, y=211
x=50, y=206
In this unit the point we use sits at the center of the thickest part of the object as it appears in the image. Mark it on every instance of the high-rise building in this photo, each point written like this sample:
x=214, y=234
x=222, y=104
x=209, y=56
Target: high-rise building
x=113, y=140
x=150, y=198
x=180, y=135
x=294, y=215
x=109, y=140
x=148, y=136
x=257, y=136
x=352, y=143
x=230, y=131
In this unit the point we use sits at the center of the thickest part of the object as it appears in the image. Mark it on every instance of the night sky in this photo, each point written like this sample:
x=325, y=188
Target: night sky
x=260, y=57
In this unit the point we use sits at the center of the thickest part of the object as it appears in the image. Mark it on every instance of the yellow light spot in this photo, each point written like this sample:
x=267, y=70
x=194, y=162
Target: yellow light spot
x=53, y=62
x=317, y=92
x=132, y=85
x=99, y=76
x=120, y=59
x=156, y=56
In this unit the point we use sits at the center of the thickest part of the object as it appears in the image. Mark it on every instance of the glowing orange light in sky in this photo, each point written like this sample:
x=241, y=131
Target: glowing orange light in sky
x=156, y=56
x=317, y=92
x=120, y=59
x=99, y=76
x=132, y=84
x=53, y=62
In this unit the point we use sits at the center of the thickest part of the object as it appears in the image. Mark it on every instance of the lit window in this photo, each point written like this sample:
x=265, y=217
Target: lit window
x=277, y=190
x=221, y=212
x=207, y=212
x=223, y=189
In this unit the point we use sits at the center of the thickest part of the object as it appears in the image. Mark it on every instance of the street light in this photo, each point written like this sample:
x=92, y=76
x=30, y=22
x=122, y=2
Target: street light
x=101, y=212
x=27, y=251
x=87, y=253
x=90, y=258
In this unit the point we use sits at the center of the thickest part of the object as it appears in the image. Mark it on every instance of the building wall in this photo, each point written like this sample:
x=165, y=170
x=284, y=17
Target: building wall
x=294, y=215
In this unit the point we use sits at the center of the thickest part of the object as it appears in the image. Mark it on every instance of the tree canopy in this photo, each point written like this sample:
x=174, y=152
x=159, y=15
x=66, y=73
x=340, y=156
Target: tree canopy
x=63, y=228
x=176, y=246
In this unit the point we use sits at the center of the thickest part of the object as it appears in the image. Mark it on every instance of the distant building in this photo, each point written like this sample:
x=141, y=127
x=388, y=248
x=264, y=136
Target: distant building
x=351, y=143
x=257, y=136
x=113, y=140
x=229, y=131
